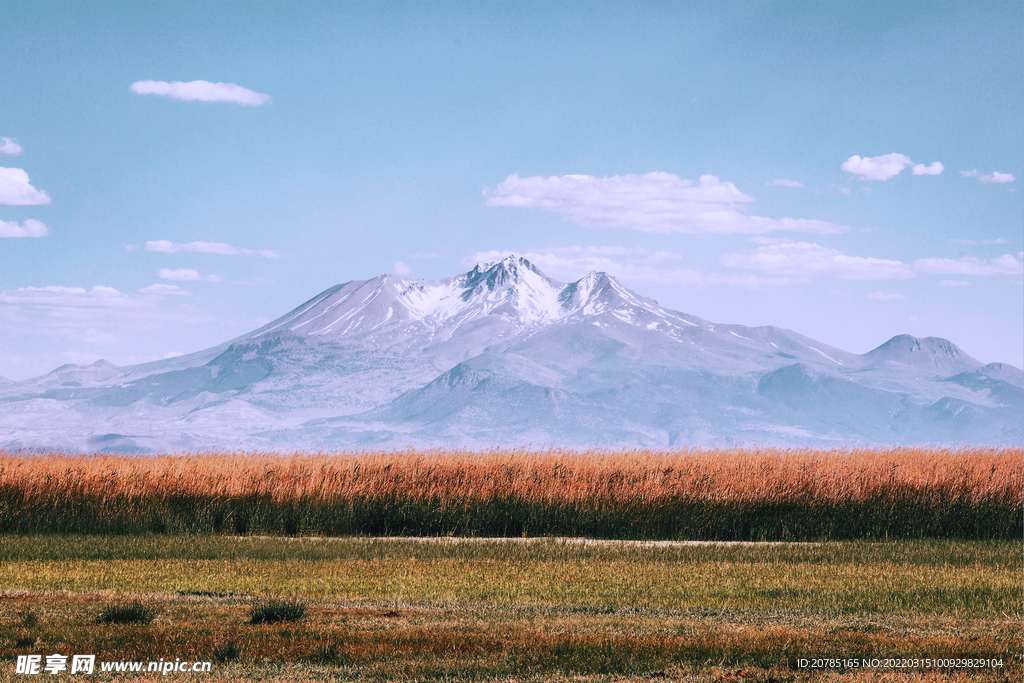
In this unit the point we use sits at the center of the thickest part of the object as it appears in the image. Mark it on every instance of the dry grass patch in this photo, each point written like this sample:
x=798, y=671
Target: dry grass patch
x=737, y=494
x=361, y=643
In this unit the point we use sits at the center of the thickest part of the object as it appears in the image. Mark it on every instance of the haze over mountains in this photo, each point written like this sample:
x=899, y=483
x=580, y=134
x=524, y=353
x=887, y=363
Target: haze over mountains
x=504, y=355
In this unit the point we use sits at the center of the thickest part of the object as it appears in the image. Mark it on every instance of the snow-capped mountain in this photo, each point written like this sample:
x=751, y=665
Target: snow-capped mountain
x=502, y=355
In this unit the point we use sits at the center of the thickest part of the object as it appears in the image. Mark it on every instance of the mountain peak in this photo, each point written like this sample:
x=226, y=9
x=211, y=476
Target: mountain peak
x=507, y=271
x=1003, y=372
x=577, y=295
x=512, y=285
x=931, y=353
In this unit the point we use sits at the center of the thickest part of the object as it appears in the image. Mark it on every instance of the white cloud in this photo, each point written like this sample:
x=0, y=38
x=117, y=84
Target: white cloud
x=877, y=168
x=806, y=260
x=9, y=146
x=749, y=280
x=809, y=260
x=776, y=262
x=28, y=228
x=954, y=283
x=16, y=190
x=60, y=296
x=53, y=289
x=782, y=182
x=629, y=264
x=654, y=202
x=887, y=166
x=1006, y=264
x=997, y=177
x=935, y=168
x=976, y=243
x=201, y=91
x=885, y=296
x=994, y=177
x=168, y=247
x=401, y=268
x=47, y=326
x=187, y=275
x=163, y=290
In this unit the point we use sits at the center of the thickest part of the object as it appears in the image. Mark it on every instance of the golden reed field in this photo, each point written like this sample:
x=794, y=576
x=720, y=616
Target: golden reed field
x=735, y=494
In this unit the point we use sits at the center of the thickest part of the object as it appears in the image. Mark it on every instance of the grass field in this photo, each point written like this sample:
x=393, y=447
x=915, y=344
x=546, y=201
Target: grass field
x=299, y=567
x=536, y=609
x=712, y=495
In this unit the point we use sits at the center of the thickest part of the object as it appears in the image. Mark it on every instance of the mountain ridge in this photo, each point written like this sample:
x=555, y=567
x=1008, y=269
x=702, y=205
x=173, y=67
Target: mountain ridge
x=502, y=354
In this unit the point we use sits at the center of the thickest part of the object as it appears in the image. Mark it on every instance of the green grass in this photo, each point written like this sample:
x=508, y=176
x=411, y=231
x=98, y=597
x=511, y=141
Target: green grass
x=925, y=577
x=542, y=609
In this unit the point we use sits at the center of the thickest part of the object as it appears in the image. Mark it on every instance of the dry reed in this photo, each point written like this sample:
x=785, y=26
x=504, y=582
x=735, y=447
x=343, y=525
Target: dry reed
x=736, y=494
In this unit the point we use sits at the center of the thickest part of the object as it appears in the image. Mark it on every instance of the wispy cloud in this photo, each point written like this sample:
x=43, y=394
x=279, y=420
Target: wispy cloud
x=187, y=275
x=163, y=290
x=885, y=296
x=776, y=262
x=809, y=260
x=993, y=177
x=751, y=280
x=9, y=146
x=47, y=326
x=168, y=247
x=654, y=202
x=887, y=166
x=629, y=264
x=997, y=177
x=201, y=91
x=402, y=269
x=969, y=265
x=954, y=283
x=99, y=296
x=28, y=228
x=976, y=243
x=16, y=190
x=782, y=182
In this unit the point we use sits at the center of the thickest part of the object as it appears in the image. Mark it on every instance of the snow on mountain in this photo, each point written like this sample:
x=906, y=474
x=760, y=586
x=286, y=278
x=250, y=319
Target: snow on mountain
x=502, y=354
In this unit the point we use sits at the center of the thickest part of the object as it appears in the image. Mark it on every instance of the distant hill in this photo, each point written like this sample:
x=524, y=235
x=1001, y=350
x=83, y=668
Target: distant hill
x=502, y=355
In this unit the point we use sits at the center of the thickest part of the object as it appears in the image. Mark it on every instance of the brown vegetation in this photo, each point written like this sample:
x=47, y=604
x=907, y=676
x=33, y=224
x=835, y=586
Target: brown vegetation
x=371, y=609
x=738, y=494
x=362, y=643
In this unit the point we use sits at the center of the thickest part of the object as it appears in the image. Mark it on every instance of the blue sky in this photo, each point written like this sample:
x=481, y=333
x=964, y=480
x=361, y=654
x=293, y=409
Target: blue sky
x=754, y=163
